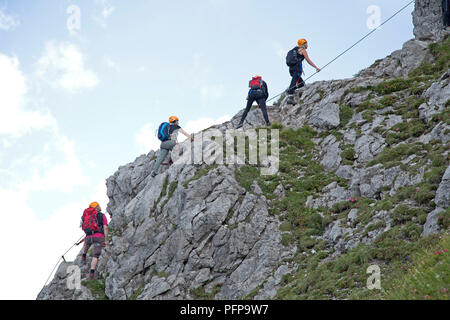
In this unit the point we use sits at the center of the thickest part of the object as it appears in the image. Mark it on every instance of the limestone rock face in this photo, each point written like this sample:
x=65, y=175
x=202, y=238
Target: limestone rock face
x=195, y=229
x=428, y=19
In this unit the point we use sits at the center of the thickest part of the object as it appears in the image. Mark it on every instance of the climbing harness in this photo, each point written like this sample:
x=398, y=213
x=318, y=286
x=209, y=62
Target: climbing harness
x=344, y=52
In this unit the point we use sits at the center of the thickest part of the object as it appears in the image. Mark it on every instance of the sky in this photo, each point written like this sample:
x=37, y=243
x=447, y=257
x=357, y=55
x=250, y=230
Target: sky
x=84, y=84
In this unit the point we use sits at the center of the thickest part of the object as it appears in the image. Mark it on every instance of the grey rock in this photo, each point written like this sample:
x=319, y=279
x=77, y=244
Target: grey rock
x=331, y=157
x=368, y=146
x=345, y=172
x=392, y=120
x=431, y=225
x=350, y=136
x=279, y=191
x=325, y=116
x=442, y=198
x=428, y=19
x=437, y=96
x=439, y=133
x=352, y=215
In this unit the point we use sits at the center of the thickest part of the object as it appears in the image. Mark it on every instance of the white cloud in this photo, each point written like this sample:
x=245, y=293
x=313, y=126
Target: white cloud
x=279, y=51
x=15, y=120
x=106, y=11
x=195, y=126
x=7, y=22
x=32, y=246
x=62, y=65
x=63, y=176
x=146, y=138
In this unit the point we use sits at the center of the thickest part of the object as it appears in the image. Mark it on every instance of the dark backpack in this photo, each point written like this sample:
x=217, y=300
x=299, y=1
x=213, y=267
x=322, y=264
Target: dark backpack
x=163, y=131
x=92, y=221
x=256, y=83
x=292, y=58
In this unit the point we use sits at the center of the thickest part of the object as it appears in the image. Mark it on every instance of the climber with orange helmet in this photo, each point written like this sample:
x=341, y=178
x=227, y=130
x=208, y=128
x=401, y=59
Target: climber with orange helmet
x=294, y=61
x=95, y=225
x=258, y=92
x=167, y=133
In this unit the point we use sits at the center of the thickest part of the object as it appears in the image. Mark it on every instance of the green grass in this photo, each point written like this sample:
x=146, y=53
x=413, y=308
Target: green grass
x=394, y=155
x=441, y=54
x=345, y=114
x=97, y=288
x=163, y=193
x=403, y=214
x=356, y=90
x=388, y=101
x=199, y=293
x=444, y=219
x=427, y=275
x=390, y=86
x=137, y=293
x=346, y=276
x=405, y=130
x=169, y=191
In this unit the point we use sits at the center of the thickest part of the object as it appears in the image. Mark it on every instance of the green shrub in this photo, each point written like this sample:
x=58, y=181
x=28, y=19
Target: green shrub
x=390, y=86
x=444, y=219
x=345, y=114
x=388, y=101
x=97, y=288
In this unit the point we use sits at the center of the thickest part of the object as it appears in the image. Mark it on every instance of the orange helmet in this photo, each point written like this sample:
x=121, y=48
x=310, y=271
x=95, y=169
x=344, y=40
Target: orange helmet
x=93, y=205
x=301, y=42
x=173, y=119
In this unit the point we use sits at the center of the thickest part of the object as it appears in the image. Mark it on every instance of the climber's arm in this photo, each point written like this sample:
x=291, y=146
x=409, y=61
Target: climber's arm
x=187, y=134
x=305, y=54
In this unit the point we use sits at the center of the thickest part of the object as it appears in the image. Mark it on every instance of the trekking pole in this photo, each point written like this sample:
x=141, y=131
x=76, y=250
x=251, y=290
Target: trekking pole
x=348, y=49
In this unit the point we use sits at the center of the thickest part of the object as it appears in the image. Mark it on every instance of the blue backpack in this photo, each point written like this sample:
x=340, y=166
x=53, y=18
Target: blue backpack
x=163, y=131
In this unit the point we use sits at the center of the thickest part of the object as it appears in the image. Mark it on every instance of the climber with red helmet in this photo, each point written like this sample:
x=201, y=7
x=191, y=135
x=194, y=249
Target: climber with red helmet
x=167, y=133
x=294, y=61
x=258, y=92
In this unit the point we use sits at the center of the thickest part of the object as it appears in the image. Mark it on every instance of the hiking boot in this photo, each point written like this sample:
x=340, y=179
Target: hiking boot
x=268, y=124
x=153, y=174
x=92, y=276
x=239, y=125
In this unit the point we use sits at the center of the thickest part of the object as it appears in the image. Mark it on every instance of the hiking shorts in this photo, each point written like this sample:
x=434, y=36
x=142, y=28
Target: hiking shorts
x=97, y=243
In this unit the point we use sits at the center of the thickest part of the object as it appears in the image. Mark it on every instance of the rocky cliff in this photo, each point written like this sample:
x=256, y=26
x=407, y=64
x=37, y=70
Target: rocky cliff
x=363, y=179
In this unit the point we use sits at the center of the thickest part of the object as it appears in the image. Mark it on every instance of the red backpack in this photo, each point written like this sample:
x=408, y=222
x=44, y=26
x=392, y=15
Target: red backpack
x=255, y=83
x=92, y=221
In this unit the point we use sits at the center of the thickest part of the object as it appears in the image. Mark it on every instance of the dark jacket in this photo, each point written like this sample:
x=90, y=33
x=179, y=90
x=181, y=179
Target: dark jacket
x=299, y=58
x=264, y=91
